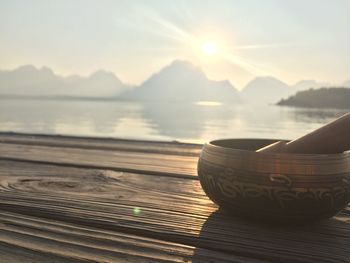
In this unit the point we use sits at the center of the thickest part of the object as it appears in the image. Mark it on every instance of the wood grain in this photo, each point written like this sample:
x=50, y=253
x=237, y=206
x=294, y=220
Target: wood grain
x=107, y=144
x=31, y=239
x=89, y=214
x=163, y=164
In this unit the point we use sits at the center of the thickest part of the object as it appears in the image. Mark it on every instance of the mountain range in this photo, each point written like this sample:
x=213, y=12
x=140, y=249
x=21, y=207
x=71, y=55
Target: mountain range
x=179, y=81
x=30, y=81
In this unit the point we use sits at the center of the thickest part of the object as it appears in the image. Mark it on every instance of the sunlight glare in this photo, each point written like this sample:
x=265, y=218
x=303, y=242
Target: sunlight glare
x=209, y=48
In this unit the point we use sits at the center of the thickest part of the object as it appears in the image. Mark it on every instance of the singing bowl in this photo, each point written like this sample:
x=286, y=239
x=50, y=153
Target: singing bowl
x=285, y=187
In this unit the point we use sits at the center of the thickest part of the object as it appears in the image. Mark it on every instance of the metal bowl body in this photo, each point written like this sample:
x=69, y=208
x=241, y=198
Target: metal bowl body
x=274, y=186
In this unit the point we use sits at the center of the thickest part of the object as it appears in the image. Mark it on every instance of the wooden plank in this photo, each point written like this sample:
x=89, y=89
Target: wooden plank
x=38, y=239
x=30, y=239
x=175, y=165
x=107, y=144
x=162, y=208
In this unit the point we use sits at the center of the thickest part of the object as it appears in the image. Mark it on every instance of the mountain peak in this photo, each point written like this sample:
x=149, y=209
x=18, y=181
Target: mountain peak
x=101, y=72
x=47, y=71
x=181, y=63
x=181, y=66
x=308, y=84
x=266, y=80
x=265, y=89
x=305, y=81
x=31, y=70
x=26, y=68
x=183, y=81
x=347, y=83
x=104, y=75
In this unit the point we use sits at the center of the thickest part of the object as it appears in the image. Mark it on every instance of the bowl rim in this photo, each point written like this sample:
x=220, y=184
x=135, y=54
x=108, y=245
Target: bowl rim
x=301, y=164
x=211, y=145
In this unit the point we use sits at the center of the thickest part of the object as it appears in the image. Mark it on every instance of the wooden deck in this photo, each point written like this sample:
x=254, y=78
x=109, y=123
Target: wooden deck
x=66, y=199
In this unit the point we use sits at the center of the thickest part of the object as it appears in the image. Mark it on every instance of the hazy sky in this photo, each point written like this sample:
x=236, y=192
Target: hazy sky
x=289, y=39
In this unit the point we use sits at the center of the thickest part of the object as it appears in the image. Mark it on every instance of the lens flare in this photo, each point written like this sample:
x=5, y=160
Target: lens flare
x=136, y=211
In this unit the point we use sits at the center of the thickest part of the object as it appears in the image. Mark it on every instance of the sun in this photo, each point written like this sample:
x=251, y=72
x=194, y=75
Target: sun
x=209, y=48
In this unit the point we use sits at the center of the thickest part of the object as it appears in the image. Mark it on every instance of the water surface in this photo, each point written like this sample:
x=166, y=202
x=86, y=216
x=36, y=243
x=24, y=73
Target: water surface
x=182, y=121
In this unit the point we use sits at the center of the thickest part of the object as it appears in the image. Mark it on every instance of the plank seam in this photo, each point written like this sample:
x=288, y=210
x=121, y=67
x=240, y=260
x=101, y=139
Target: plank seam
x=111, y=168
x=92, y=147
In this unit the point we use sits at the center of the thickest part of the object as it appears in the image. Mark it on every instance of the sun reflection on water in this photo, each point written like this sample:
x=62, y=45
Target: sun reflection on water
x=208, y=103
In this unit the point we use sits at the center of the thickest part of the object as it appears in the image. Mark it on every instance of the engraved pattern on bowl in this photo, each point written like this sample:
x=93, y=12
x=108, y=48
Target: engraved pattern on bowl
x=274, y=186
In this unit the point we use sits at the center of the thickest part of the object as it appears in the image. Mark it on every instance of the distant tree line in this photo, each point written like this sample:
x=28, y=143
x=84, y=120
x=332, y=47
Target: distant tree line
x=337, y=97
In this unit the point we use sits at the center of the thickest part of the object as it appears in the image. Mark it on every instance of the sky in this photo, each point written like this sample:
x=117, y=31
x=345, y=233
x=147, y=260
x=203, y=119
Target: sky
x=229, y=39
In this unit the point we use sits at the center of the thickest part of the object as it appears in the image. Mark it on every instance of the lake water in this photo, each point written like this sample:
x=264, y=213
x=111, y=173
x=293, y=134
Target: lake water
x=165, y=121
